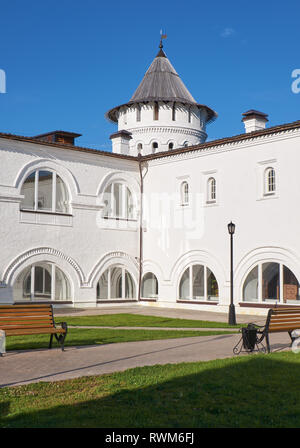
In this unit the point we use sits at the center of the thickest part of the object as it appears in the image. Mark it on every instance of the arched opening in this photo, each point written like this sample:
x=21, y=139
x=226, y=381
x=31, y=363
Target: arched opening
x=116, y=283
x=154, y=146
x=271, y=282
x=42, y=282
x=198, y=282
x=118, y=201
x=44, y=190
x=150, y=286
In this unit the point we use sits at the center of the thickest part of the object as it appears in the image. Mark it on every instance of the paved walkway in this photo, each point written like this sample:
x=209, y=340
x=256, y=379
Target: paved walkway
x=23, y=367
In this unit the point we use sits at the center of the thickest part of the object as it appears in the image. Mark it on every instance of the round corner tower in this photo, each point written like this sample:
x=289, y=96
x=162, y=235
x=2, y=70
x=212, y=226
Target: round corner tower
x=161, y=115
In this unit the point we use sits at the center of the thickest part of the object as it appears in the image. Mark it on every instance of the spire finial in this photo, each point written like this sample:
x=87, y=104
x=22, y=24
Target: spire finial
x=162, y=36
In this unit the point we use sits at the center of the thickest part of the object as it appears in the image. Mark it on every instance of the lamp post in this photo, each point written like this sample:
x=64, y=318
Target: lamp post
x=231, y=316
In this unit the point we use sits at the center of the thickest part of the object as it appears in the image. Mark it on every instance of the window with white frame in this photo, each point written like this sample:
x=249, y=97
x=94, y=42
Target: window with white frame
x=140, y=148
x=271, y=282
x=198, y=282
x=211, y=190
x=269, y=181
x=184, y=193
x=119, y=202
x=45, y=191
x=42, y=281
x=116, y=283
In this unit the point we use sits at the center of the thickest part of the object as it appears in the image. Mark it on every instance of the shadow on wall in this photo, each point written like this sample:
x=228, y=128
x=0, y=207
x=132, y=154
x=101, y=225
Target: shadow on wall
x=246, y=391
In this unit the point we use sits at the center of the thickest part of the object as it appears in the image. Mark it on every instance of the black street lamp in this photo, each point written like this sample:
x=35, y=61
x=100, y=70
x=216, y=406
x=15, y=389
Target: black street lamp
x=231, y=316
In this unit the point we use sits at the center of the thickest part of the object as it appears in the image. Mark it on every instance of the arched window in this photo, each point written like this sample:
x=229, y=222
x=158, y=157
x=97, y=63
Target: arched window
x=43, y=281
x=45, y=191
x=140, y=148
x=185, y=144
x=116, y=283
x=154, y=146
x=150, y=286
x=271, y=282
x=270, y=181
x=185, y=193
x=118, y=201
x=198, y=282
x=171, y=146
x=211, y=190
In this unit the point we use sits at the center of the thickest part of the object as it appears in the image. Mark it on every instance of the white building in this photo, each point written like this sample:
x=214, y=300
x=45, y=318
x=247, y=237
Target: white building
x=75, y=232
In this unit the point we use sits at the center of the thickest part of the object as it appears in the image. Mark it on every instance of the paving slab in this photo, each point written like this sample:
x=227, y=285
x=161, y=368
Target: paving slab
x=31, y=366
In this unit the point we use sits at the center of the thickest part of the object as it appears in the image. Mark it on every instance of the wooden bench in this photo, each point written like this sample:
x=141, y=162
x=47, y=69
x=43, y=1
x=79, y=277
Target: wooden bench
x=30, y=319
x=281, y=320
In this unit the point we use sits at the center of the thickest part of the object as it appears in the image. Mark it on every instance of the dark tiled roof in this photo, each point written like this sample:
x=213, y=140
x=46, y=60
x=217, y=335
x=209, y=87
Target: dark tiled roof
x=219, y=142
x=227, y=140
x=65, y=146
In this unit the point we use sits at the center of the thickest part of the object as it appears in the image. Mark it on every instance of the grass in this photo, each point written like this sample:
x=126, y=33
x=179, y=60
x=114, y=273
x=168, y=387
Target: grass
x=138, y=320
x=95, y=336
x=242, y=392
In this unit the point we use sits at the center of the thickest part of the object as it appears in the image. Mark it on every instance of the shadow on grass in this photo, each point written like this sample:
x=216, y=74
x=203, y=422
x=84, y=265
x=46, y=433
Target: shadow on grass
x=248, y=391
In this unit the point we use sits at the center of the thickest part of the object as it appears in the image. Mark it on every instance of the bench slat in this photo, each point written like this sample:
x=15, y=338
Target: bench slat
x=35, y=331
x=27, y=319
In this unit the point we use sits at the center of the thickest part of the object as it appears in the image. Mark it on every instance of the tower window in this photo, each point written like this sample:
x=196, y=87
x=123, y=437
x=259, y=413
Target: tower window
x=138, y=113
x=174, y=112
x=189, y=115
x=154, y=146
x=156, y=111
x=171, y=145
x=139, y=148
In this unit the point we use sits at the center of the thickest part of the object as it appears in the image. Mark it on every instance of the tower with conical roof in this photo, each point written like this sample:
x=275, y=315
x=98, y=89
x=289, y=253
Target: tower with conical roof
x=161, y=115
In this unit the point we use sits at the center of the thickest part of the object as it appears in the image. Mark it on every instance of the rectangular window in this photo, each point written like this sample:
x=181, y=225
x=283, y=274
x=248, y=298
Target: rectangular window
x=156, y=111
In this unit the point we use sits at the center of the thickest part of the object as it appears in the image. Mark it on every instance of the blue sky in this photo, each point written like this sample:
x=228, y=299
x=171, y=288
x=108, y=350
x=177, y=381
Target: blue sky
x=68, y=62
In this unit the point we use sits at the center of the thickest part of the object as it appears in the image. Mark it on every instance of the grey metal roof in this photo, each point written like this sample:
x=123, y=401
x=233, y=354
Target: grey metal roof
x=161, y=82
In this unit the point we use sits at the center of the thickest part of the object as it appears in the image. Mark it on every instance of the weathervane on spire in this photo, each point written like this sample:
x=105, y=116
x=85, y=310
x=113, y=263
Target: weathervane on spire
x=162, y=36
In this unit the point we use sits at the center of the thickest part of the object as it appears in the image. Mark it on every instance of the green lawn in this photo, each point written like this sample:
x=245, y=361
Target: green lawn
x=138, y=320
x=85, y=336
x=242, y=392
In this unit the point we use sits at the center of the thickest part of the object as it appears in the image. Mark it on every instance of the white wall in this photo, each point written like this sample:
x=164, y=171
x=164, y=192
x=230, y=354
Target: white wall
x=266, y=227
x=80, y=244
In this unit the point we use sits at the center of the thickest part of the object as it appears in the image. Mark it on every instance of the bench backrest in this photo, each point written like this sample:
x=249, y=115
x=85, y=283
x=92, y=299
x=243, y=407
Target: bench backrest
x=283, y=319
x=17, y=317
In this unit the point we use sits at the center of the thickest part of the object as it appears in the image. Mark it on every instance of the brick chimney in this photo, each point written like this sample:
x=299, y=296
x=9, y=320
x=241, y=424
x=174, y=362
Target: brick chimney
x=254, y=120
x=64, y=137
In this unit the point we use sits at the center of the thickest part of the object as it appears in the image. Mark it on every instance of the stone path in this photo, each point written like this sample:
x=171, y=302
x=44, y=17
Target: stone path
x=30, y=366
